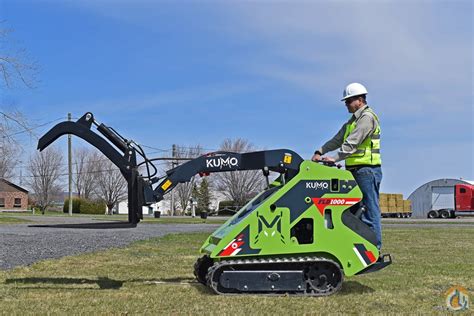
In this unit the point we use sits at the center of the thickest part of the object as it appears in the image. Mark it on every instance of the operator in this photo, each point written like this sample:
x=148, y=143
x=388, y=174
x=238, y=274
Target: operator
x=358, y=142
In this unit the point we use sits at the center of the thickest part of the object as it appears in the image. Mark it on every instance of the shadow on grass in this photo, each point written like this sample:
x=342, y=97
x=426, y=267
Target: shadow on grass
x=354, y=287
x=103, y=283
x=179, y=281
x=348, y=288
x=170, y=281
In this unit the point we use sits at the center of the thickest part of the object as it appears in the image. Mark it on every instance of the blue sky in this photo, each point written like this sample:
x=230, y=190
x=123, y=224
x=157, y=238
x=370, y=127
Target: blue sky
x=189, y=72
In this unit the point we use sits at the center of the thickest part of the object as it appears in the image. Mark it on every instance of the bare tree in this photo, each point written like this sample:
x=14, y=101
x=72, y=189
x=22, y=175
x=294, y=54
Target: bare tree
x=184, y=190
x=6, y=161
x=85, y=169
x=12, y=123
x=45, y=171
x=242, y=185
x=14, y=64
x=14, y=67
x=111, y=185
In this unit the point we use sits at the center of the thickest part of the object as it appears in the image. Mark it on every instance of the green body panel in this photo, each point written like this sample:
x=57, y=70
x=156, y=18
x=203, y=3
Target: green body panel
x=265, y=231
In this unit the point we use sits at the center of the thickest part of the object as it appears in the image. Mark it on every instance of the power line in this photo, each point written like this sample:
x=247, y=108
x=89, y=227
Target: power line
x=74, y=173
x=18, y=166
x=27, y=129
x=179, y=147
x=83, y=172
x=154, y=148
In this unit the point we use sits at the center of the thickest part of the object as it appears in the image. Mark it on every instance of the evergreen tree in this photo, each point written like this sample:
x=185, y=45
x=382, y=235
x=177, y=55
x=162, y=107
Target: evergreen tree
x=204, y=196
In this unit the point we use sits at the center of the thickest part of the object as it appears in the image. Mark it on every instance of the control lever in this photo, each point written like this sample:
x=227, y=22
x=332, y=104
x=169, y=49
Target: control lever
x=329, y=163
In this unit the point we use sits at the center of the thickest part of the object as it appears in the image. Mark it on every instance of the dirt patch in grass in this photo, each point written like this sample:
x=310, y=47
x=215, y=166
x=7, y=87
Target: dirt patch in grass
x=156, y=277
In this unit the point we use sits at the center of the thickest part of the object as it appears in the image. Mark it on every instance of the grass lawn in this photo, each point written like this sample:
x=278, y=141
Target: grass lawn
x=38, y=213
x=431, y=222
x=6, y=218
x=155, y=277
x=12, y=220
x=181, y=220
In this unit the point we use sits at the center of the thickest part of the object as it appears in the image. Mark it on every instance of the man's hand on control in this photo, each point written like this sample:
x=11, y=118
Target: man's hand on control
x=328, y=159
x=316, y=157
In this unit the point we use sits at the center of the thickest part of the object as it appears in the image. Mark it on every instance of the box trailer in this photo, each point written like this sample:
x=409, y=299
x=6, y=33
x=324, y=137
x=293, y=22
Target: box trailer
x=450, y=202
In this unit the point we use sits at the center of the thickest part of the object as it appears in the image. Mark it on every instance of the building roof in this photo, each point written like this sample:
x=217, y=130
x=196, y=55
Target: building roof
x=2, y=180
x=438, y=182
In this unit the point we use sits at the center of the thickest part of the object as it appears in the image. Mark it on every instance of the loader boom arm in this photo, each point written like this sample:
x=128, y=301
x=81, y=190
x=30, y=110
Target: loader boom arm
x=140, y=190
x=283, y=161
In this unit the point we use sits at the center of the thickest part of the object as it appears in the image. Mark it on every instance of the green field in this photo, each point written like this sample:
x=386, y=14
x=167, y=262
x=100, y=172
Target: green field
x=155, y=277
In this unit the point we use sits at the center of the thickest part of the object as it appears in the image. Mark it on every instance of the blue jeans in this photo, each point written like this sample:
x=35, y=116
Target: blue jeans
x=368, y=179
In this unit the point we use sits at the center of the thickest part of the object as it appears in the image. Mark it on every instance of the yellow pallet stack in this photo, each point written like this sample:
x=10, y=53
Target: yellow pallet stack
x=407, y=206
x=399, y=202
x=394, y=204
x=383, y=202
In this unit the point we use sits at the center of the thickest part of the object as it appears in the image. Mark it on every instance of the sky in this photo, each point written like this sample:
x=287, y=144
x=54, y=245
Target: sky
x=272, y=72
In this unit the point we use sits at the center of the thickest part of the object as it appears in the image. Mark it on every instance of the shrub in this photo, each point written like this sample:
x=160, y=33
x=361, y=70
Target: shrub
x=76, y=205
x=84, y=206
x=92, y=207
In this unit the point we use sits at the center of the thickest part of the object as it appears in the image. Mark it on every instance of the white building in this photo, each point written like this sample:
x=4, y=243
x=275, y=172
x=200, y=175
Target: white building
x=165, y=205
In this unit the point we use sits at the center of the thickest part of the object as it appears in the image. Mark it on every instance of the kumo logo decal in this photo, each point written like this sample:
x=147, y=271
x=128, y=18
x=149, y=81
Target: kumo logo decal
x=317, y=185
x=222, y=162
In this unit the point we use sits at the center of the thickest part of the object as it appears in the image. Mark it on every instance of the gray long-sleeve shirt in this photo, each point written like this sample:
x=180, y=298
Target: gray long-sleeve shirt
x=366, y=126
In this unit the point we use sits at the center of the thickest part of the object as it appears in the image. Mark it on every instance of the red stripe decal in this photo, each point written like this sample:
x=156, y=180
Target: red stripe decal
x=234, y=245
x=371, y=256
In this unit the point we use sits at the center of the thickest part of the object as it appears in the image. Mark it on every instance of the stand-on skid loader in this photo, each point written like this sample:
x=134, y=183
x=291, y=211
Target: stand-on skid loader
x=299, y=236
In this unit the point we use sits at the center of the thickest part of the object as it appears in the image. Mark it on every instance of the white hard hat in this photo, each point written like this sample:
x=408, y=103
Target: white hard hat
x=352, y=90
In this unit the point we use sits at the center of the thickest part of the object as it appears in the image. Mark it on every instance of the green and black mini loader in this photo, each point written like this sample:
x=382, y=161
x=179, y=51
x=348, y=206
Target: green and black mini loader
x=300, y=236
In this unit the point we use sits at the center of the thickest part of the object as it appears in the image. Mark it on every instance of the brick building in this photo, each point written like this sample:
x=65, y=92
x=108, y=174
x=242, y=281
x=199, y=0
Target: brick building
x=12, y=196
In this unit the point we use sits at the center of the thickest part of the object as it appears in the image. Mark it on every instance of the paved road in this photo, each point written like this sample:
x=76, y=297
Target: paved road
x=24, y=245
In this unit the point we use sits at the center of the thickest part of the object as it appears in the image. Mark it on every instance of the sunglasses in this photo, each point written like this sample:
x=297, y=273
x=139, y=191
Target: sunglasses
x=350, y=100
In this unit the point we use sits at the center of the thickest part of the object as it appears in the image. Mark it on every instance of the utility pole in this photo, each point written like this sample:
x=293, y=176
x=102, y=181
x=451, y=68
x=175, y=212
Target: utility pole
x=193, y=207
x=21, y=175
x=69, y=149
x=173, y=164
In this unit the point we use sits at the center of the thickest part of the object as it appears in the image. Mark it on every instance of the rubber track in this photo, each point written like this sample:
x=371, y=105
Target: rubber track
x=290, y=261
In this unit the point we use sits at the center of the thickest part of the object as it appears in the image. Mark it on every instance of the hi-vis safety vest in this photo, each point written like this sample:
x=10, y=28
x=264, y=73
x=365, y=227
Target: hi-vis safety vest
x=368, y=152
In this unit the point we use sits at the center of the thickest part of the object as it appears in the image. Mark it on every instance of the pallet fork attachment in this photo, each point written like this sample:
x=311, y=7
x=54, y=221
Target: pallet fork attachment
x=123, y=153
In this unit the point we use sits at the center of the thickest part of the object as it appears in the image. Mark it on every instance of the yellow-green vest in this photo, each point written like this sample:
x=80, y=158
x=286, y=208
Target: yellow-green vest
x=368, y=152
